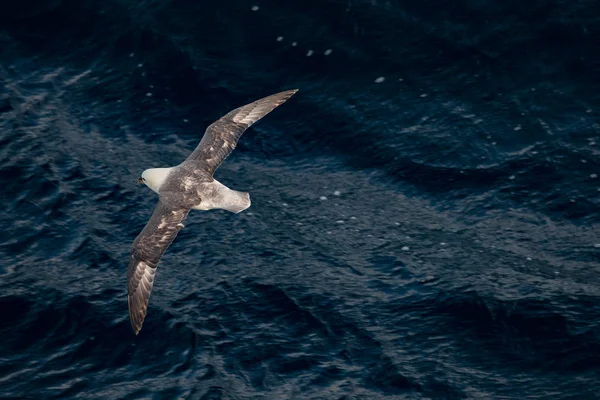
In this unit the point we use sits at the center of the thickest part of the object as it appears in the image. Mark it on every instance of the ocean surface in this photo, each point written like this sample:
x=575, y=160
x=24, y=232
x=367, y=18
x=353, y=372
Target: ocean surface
x=425, y=218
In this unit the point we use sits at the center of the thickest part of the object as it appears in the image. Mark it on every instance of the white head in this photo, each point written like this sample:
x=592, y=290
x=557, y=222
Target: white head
x=154, y=177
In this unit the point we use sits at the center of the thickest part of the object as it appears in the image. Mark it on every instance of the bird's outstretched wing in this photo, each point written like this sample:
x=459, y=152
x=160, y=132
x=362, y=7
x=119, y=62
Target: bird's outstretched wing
x=148, y=248
x=221, y=136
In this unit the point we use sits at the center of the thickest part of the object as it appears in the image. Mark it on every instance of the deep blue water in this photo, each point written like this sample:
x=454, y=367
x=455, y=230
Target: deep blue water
x=425, y=218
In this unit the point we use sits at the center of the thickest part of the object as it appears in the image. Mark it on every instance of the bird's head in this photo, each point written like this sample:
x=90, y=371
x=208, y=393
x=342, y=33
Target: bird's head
x=154, y=177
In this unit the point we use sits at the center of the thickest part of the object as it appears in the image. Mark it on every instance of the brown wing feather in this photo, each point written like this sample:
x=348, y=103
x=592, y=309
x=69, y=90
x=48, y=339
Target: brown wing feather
x=222, y=136
x=148, y=248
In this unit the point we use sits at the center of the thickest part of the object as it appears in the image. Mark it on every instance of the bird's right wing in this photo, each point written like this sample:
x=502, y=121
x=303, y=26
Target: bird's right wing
x=148, y=248
x=222, y=136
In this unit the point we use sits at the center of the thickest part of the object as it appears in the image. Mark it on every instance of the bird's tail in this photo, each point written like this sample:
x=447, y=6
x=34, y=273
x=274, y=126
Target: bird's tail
x=237, y=201
x=219, y=196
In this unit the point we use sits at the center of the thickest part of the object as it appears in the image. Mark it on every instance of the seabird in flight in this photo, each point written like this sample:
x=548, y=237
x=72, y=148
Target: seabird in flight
x=189, y=186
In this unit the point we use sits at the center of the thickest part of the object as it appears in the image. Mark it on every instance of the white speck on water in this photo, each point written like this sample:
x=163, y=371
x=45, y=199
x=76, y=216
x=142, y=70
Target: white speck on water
x=397, y=223
x=151, y=86
x=329, y=232
x=400, y=79
x=339, y=221
x=597, y=245
x=309, y=53
x=405, y=248
x=255, y=8
x=592, y=143
x=583, y=161
x=249, y=213
x=294, y=44
x=279, y=38
x=352, y=217
x=336, y=193
x=588, y=111
x=572, y=200
x=593, y=176
x=140, y=65
x=424, y=95
x=327, y=52
x=493, y=143
x=131, y=54
x=322, y=198
x=284, y=204
x=381, y=79
x=442, y=244
x=185, y=120
x=511, y=177
x=149, y=94
x=528, y=258
x=517, y=128
x=298, y=223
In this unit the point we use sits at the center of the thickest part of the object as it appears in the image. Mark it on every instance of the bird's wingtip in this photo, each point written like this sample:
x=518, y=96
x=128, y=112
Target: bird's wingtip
x=286, y=94
x=136, y=328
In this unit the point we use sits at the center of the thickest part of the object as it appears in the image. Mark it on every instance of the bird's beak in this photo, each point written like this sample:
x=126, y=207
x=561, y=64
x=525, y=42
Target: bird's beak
x=140, y=180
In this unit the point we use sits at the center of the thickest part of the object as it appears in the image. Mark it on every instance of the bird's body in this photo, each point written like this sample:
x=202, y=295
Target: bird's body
x=189, y=186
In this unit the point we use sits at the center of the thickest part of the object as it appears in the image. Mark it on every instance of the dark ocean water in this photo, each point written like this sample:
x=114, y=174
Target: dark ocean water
x=425, y=218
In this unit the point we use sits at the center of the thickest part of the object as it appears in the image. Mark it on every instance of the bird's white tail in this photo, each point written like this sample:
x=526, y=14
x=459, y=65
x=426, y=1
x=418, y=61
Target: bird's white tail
x=236, y=201
x=215, y=195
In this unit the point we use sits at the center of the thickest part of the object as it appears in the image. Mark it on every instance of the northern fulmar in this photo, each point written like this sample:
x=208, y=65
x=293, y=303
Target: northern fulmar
x=189, y=186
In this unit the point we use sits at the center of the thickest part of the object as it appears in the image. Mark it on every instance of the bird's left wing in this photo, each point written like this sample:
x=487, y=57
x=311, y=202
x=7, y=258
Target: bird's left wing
x=148, y=248
x=222, y=136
